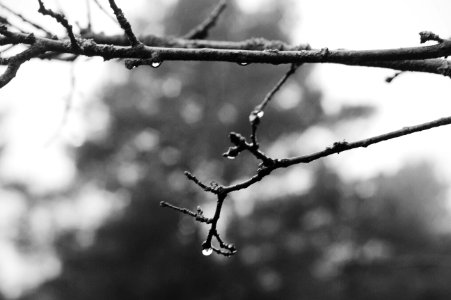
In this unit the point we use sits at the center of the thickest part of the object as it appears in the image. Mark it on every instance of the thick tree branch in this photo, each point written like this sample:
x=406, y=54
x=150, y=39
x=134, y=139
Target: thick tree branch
x=175, y=42
x=403, y=59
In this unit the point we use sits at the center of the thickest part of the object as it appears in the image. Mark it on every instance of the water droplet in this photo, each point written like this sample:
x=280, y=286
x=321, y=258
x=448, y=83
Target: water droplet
x=155, y=64
x=243, y=63
x=207, y=251
x=256, y=114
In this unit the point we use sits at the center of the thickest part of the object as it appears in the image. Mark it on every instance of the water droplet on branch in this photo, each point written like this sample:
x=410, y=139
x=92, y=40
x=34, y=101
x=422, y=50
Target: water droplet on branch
x=207, y=251
x=256, y=115
x=155, y=64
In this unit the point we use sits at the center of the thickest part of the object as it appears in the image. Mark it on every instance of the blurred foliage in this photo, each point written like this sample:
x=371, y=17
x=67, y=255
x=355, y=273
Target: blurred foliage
x=312, y=245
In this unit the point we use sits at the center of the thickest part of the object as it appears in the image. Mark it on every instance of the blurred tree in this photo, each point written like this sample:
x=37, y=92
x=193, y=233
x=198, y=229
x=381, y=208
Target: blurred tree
x=343, y=241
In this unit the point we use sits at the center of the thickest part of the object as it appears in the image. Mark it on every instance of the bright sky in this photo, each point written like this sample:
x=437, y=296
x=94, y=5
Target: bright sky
x=32, y=106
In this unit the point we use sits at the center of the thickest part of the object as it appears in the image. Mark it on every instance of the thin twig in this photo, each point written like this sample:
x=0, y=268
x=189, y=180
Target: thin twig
x=60, y=18
x=88, y=15
x=26, y=20
x=258, y=111
x=224, y=249
x=9, y=47
x=201, y=31
x=198, y=216
x=336, y=148
x=199, y=183
x=344, y=146
x=240, y=145
x=125, y=25
x=389, y=79
x=15, y=62
x=105, y=11
x=276, y=88
x=5, y=21
x=426, y=36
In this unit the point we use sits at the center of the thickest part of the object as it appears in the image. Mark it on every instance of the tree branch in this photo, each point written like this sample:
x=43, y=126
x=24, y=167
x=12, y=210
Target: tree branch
x=15, y=62
x=258, y=111
x=26, y=20
x=268, y=165
x=201, y=31
x=105, y=11
x=60, y=18
x=125, y=25
x=336, y=148
x=403, y=59
x=154, y=50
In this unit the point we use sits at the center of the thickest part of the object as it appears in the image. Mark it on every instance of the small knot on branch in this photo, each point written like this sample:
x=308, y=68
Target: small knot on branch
x=232, y=152
x=426, y=36
x=445, y=69
x=199, y=215
x=30, y=38
x=264, y=170
x=60, y=18
x=212, y=189
x=339, y=146
x=237, y=139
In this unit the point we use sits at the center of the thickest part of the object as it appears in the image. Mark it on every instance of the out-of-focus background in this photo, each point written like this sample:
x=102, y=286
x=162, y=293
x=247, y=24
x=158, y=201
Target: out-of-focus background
x=89, y=149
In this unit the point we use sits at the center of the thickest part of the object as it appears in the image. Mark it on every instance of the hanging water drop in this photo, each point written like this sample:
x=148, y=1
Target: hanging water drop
x=155, y=64
x=243, y=63
x=255, y=116
x=207, y=251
